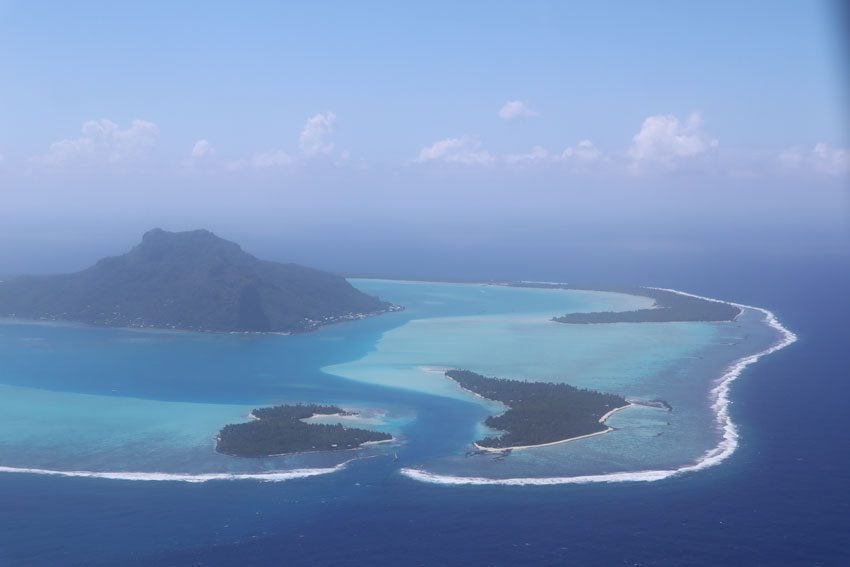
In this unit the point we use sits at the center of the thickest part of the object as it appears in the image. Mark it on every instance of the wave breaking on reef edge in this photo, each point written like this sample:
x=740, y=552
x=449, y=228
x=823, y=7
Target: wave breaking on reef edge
x=271, y=476
x=714, y=456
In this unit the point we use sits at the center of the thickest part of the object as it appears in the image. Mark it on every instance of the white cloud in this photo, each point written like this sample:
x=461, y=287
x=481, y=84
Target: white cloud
x=583, y=152
x=202, y=149
x=314, y=137
x=832, y=161
x=312, y=142
x=821, y=159
x=516, y=109
x=664, y=139
x=536, y=155
x=465, y=151
x=264, y=160
x=104, y=141
x=468, y=151
x=271, y=158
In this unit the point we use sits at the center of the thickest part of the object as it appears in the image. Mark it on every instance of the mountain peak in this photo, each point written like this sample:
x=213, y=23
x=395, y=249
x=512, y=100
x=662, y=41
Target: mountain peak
x=191, y=247
x=197, y=235
x=190, y=280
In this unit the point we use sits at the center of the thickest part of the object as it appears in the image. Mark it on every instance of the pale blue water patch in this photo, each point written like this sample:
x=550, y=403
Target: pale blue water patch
x=183, y=366
x=84, y=398
x=369, y=418
x=47, y=429
x=645, y=438
x=111, y=399
x=437, y=299
x=511, y=335
x=674, y=362
x=67, y=431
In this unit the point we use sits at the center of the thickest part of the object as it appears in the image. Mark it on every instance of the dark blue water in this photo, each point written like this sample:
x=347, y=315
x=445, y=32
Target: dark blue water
x=781, y=499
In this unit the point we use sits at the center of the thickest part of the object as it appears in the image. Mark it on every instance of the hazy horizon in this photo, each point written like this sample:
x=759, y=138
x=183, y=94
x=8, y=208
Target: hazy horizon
x=422, y=131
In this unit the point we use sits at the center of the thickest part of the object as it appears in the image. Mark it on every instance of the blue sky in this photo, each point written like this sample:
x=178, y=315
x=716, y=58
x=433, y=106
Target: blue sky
x=228, y=115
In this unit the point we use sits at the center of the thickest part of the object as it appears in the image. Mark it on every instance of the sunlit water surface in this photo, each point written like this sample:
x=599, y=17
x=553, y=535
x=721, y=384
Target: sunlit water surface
x=83, y=399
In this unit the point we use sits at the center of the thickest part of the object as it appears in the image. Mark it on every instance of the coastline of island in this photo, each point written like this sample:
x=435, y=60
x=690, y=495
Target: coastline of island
x=670, y=306
x=538, y=414
x=190, y=281
x=282, y=430
x=602, y=419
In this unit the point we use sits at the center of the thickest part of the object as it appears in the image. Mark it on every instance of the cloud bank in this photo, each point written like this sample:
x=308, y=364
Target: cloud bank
x=105, y=142
x=821, y=159
x=314, y=140
x=664, y=143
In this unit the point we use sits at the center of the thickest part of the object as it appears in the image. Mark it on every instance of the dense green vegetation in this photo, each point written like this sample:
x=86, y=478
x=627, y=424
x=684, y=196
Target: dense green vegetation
x=669, y=307
x=538, y=412
x=190, y=280
x=278, y=430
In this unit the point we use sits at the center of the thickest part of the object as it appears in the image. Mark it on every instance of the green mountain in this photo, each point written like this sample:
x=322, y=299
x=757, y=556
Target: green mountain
x=190, y=280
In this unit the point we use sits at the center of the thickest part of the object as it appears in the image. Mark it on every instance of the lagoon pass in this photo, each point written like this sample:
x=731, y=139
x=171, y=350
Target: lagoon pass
x=147, y=405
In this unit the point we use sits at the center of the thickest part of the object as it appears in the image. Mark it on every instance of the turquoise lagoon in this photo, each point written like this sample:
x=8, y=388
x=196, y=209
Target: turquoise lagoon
x=77, y=398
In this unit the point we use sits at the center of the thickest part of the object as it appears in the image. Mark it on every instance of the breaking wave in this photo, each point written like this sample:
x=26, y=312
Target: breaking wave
x=714, y=456
x=271, y=476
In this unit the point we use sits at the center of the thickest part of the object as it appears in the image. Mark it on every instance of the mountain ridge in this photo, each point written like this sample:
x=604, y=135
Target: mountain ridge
x=192, y=280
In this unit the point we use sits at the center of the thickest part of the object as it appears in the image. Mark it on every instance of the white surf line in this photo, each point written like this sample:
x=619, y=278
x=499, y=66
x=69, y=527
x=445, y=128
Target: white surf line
x=272, y=476
x=714, y=456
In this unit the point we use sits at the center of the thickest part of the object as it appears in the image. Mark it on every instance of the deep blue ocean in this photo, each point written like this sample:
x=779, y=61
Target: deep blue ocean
x=781, y=499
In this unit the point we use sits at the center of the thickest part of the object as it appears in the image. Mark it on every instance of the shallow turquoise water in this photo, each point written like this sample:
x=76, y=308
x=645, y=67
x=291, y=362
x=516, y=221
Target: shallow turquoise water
x=77, y=398
x=674, y=362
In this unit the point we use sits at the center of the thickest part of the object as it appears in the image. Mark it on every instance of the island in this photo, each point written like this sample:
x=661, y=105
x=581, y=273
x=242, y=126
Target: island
x=280, y=430
x=670, y=307
x=539, y=413
x=190, y=280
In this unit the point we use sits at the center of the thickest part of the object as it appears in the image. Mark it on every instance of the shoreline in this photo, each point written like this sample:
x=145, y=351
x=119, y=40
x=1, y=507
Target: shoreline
x=719, y=395
x=550, y=443
x=339, y=415
x=361, y=446
x=379, y=442
x=631, y=291
x=14, y=320
x=522, y=284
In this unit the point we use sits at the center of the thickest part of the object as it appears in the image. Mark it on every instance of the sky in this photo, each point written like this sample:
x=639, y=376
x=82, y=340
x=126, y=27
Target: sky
x=314, y=131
